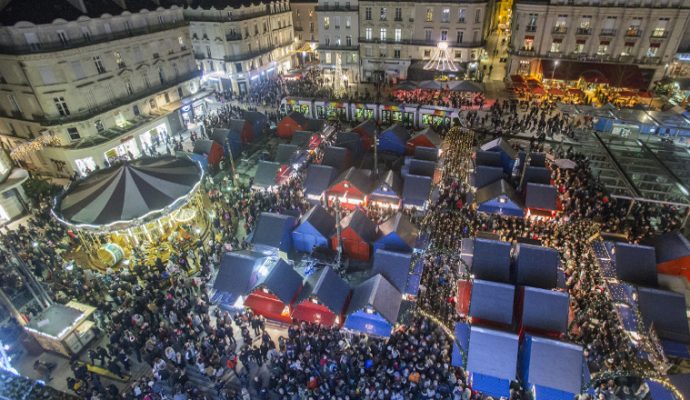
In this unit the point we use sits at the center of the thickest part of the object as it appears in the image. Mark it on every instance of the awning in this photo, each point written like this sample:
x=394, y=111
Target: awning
x=617, y=75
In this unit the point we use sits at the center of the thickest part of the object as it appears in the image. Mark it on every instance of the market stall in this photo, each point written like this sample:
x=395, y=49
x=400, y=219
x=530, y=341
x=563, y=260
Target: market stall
x=64, y=329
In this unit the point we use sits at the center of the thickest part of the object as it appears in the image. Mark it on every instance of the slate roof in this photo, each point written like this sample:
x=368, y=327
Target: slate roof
x=555, y=364
x=492, y=301
x=393, y=266
x=416, y=189
x=301, y=138
x=538, y=175
x=390, y=180
x=545, y=309
x=378, y=293
x=430, y=134
x=359, y=178
x=492, y=353
x=270, y=229
x=488, y=158
x=422, y=167
x=235, y=272
x=635, y=263
x=282, y=281
x=541, y=197
x=425, y=153
x=398, y=131
x=319, y=178
x=320, y=219
x=361, y=224
x=485, y=175
x=669, y=246
x=494, y=190
x=491, y=260
x=335, y=157
x=500, y=145
x=401, y=225
x=284, y=153
x=266, y=172
x=328, y=287
x=666, y=311
x=537, y=266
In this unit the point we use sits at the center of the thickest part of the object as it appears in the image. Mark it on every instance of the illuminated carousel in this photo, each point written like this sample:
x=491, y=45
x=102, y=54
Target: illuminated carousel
x=150, y=204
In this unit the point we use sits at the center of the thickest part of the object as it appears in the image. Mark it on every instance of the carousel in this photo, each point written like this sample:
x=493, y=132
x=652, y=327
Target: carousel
x=144, y=208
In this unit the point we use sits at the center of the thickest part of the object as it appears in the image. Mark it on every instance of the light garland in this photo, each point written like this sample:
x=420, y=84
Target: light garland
x=22, y=150
x=441, y=61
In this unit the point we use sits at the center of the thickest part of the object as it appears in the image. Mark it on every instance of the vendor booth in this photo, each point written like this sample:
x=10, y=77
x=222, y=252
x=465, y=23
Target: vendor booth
x=541, y=200
x=273, y=233
x=393, y=140
x=322, y=299
x=492, y=360
x=551, y=369
x=485, y=175
x=211, y=150
x=507, y=153
x=544, y=311
x=351, y=188
x=492, y=303
x=358, y=232
x=236, y=275
x=64, y=329
x=395, y=267
x=491, y=260
x=276, y=287
x=635, y=264
x=151, y=203
x=317, y=181
x=398, y=233
x=367, y=132
x=258, y=122
x=416, y=190
x=537, y=266
x=374, y=307
x=672, y=251
x=424, y=138
x=267, y=175
x=499, y=198
x=339, y=158
x=388, y=190
x=314, y=230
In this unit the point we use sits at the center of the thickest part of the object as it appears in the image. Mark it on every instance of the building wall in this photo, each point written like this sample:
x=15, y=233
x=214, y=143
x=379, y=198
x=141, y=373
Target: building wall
x=413, y=31
x=94, y=80
x=238, y=46
x=338, y=47
x=305, y=22
x=642, y=32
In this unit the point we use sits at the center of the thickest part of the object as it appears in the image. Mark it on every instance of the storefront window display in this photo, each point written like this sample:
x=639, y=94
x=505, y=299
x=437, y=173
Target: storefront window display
x=85, y=165
x=154, y=137
x=128, y=150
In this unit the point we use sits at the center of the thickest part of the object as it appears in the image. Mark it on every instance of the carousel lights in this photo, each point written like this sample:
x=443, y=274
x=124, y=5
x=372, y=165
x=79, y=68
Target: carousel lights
x=441, y=61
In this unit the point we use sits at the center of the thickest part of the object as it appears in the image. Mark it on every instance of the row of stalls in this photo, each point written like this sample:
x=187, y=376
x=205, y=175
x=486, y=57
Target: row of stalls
x=516, y=314
x=230, y=140
x=515, y=183
x=408, y=115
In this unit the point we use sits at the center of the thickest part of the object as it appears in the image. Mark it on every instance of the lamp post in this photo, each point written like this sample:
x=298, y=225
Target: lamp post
x=553, y=71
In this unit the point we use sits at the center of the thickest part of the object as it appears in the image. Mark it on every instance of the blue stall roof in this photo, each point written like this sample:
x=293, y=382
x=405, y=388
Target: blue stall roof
x=236, y=272
x=492, y=301
x=393, y=266
x=635, y=263
x=366, y=128
x=401, y=225
x=320, y=219
x=396, y=131
x=301, y=138
x=266, y=172
x=488, y=158
x=426, y=153
x=377, y=293
x=351, y=141
x=336, y=157
x=545, y=309
x=493, y=353
x=538, y=175
x=461, y=344
x=665, y=310
x=360, y=224
x=422, y=167
x=485, y=175
x=318, y=179
x=537, y=266
x=500, y=188
x=272, y=230
x=416, y=190
x=285, y=152
x=491, y=260
x=554, y=364
x=328, y=288
x=669, y=246
x=280, y=279
x=541, y=197
x=501, y=146
x=389, y=184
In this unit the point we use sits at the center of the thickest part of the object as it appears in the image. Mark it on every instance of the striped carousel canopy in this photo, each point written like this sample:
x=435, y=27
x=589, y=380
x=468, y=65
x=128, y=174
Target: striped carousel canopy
x=128, y=194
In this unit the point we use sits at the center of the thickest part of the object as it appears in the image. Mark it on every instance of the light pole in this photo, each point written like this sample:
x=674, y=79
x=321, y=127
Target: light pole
x=553, y=71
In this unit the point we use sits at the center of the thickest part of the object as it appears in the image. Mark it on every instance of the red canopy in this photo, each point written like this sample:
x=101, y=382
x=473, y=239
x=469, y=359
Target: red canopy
x=576, y=91
x=556, y=92
x=538, y=90
x=315, y=313
x=267, y=305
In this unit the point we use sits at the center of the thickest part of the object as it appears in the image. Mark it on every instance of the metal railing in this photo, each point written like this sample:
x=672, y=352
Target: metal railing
x=559, y=29
x=659, y=35
x=223, y=16
x=45, y=47
x=451, y=44
x=607, y=32
x=633, y=33
x=255, y=53
x=583, y=31
x=337, y=8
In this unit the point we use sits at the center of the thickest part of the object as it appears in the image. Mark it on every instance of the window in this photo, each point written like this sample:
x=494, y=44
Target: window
x=180, y=93
x=367, y=33
x=348, y=22
x=634, y=27
x=14, y=103
x=652, y=51
x=2, y=79
x=73, y=133
x=586, y=22
x=99, y=65
x=579, y=47
x=561, y=24
x=32, y=40
x=461, y=15
x=238, y=67
x=531, y=23
x=444, y=36
x=429, y=15
x=327, y=41
x=628, y=48
x=180, y=41
x=398, y=34
x=383, y=13
x=383, y=52
x=427, y=53
x=367, y=51
x=660, y=29
x=445, y=15
x=383, y=34
x=118, y=59
x=398, y=14
x=208, y=52
x=135, y=110
x=326, y=22
x=348, y=41
x=47, y=75
x=336, y=22
x=337, y=42
x=603, y=47
x=478, y=16
x=62, y=37
x=161, y=74
x=86, y=33
x=458, y=54
x=528, y=43
x=556, y=46
x=61, y=106
x=367, y=13
x=128, y=87
x=328, y=58
x=475, y=37
x=427, y=35
x=396, y=53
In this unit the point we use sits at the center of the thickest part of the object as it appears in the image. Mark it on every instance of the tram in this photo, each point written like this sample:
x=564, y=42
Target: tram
x=412, y=116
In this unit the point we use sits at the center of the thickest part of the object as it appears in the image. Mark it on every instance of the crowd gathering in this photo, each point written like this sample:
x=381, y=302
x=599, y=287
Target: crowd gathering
x=444, y=98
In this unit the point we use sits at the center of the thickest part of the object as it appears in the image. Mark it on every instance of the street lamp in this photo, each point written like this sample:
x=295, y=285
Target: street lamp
x=555, y=65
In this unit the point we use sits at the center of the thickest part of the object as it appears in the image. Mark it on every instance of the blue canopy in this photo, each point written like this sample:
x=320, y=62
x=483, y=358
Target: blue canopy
x=665, y=310
x=492, y=360
x=273, y=231
x=235, y=275
x=388, y=188
x=499, y=198
x=318, y=179
x=372, y=324
x=416, y=190
x=422, y=168
x=507, y=153
x=281, y=280
x=488, y=159
x=461, y=344
x=554, y=368
x=426, y=153
x=394, y=140
x=376, y=295
x=541, y=197
x=537, y=266
x=635, y=263
x=393, y=266
x=314, y=230
x=485, y=175
x=398, y=233
x=545, y=309
x=328, y=288
x=491, y=260
x=492, y=301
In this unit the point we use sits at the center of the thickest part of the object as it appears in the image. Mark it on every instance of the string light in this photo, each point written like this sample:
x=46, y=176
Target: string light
x=441, y=61
x=21, y=151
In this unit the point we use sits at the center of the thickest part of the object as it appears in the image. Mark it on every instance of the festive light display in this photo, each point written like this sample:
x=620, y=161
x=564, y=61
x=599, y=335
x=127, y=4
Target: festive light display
x=441, y=61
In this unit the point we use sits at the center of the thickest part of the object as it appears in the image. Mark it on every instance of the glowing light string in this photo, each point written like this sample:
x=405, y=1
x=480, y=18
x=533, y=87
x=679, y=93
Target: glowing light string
x=441, y=61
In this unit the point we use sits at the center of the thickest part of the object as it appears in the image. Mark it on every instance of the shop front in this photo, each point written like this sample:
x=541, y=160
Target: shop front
x=13, y=200
x=154, y=137
x=127, y=149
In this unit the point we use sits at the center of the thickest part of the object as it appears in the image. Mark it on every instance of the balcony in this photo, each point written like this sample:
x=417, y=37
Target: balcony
x=461, y=20
x=525, y=52
x=659, y=35
x=223, y=16
x=583, y=31
x=256, y=53
x=93, y=39
x=83, y=115
x=531, y=28
x=633, y=33
x=337, y=8
x=607, y=32
x=233, y=36
x=199, y=56
x=559, y=30
x=397, y=19
x=416, y=42
x=335, y=47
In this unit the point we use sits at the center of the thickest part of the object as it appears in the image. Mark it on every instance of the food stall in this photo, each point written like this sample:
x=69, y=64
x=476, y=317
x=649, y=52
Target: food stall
x=64, y=329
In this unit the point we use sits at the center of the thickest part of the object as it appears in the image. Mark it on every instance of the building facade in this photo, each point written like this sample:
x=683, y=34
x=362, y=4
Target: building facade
x=306, y=25
x=398, y=37
x=240, y=44
x=338, y=48
x=97, y=85
x=570, y=36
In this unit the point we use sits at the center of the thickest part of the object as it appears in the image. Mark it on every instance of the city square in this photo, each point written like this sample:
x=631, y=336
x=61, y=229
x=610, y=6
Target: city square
x=466, y=200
